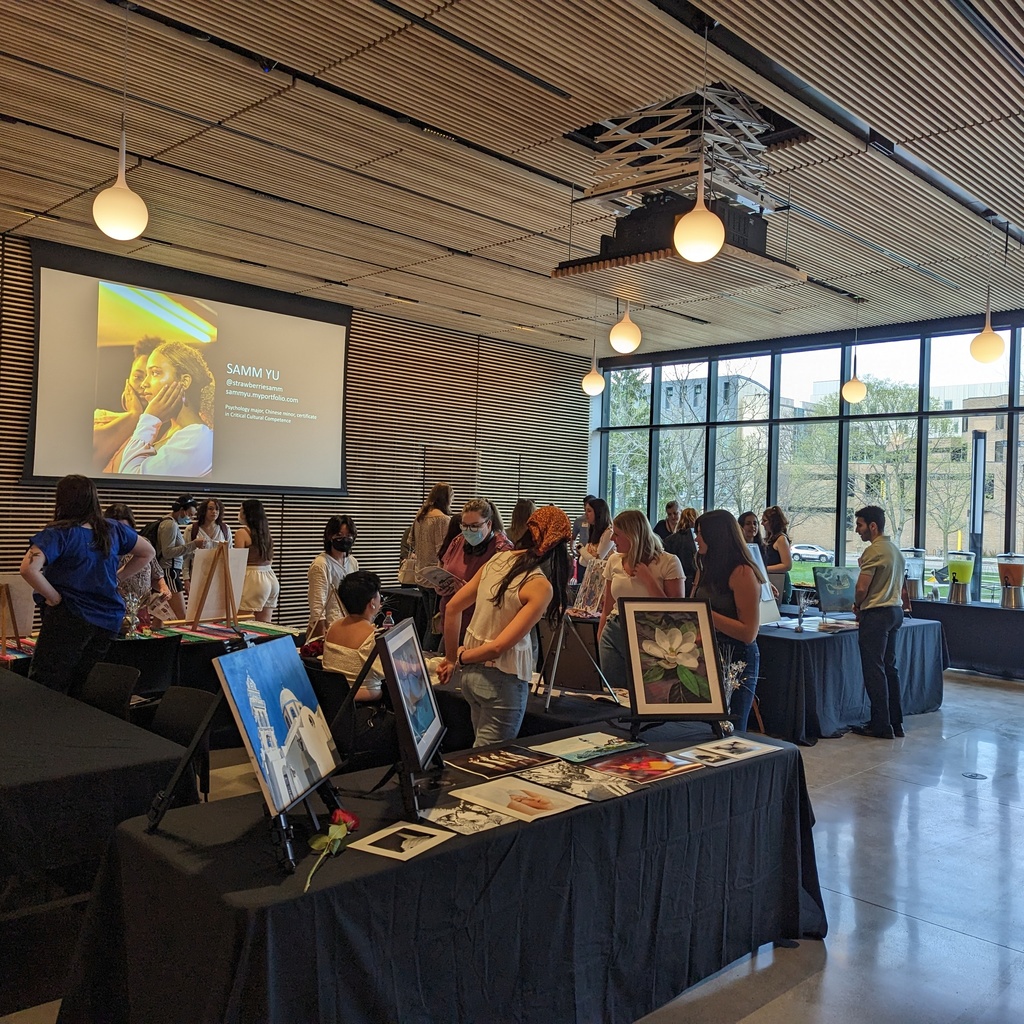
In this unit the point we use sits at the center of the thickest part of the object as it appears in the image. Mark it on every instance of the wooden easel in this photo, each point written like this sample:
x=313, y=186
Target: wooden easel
x=221, y=563
x=8, y=620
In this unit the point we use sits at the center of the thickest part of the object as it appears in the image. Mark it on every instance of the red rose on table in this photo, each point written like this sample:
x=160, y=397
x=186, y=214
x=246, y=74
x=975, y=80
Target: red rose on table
x=340, y=816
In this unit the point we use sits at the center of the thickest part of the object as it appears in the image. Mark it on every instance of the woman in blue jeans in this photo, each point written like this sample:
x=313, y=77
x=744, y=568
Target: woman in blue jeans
x=509, y=595
x=731, y=583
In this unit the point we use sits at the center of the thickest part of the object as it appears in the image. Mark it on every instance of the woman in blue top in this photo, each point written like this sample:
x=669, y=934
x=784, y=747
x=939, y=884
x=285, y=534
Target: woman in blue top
x=72, y=565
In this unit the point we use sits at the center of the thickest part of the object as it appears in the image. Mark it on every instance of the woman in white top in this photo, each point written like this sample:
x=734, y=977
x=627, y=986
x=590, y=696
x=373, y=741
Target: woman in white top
x=509, y=596
x=599, y=530
x=208, y=530
x=179, y=392
x=639, y=568
x=326, y=572
x=350, y=640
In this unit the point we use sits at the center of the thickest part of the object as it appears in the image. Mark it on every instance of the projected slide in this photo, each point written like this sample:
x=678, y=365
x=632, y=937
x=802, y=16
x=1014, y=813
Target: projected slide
x=138, y=382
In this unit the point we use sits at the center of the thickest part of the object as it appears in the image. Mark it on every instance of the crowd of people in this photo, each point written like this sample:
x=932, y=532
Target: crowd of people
x=485, y=589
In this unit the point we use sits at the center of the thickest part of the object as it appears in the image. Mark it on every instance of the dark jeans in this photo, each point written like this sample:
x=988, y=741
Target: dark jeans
x=741, y=700
x=877, y=638
x=66, y=650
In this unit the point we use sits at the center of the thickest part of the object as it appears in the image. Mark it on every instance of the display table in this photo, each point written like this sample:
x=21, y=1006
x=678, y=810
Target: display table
x=811, y=684
x=602, y=913
x=69, y=774
x=981, y=637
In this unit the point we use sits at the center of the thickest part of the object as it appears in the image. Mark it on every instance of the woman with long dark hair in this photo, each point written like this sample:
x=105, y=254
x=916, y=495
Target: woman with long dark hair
x=428, y=534
x=600, y=543
x=73, y=566
x=509, y=596
x=640, y=567
x=143, y=584
x=683, y=545
x=731, y=583
x=777, y=555
x=261, y=587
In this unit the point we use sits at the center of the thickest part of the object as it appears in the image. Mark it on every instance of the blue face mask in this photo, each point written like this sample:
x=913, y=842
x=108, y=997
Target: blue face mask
x=474, y=537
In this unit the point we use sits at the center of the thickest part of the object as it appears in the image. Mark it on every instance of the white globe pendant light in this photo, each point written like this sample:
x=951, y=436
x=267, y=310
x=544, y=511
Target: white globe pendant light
x=854, y=391
x=700, y=234
x=987, y=346
x=593, y=382
x=118, y=211
x=625, y=335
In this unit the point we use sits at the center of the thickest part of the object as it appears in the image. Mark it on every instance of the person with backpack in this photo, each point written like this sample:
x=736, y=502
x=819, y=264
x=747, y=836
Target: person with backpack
x=171, y=547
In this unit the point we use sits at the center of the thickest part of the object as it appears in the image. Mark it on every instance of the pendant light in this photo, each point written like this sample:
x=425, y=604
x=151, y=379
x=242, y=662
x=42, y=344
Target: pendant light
x=593, y=382
x=625, y=335
x=987, y=346
x=854, y=391
x=118, y=211
x=700, y=234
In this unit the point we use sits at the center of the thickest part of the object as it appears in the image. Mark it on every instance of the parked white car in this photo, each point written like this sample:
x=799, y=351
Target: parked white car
x=811, y=553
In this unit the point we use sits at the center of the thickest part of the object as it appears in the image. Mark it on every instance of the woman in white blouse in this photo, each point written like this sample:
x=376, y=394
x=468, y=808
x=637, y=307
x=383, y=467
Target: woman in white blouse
x=326, y=572
x=599, y=531
x=639, y=568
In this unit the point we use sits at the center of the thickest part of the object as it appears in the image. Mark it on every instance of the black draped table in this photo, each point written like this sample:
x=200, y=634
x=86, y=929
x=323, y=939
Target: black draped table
x=604, y=912
x=811, y=684
x=69, y=774
x=982, y=637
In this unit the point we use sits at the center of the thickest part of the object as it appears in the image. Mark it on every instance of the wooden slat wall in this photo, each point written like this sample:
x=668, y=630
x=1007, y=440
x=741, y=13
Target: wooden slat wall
x=496, y=418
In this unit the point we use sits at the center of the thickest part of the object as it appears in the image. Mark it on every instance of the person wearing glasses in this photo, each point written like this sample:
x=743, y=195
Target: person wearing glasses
x=481, y=535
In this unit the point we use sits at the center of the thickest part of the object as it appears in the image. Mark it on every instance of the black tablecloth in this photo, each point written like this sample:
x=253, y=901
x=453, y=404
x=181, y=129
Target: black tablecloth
x=981, y=637
x=602, y=913
x=69, y=774
x=811, y=684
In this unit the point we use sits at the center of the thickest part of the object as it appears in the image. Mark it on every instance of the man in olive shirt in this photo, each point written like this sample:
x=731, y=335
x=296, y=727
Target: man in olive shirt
x=879, y=608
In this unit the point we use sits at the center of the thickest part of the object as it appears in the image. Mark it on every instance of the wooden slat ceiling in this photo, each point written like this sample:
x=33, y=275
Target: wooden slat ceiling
x=420, y=158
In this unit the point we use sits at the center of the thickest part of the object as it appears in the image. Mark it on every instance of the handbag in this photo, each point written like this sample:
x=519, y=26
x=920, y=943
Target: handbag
x=407, y=570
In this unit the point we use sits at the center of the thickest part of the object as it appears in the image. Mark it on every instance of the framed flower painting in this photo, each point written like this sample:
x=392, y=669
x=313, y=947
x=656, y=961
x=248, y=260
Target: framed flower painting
x=672, y=660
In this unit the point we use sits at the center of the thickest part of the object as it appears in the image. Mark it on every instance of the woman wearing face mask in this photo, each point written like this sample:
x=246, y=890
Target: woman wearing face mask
x=481, y=535
x=326, y=572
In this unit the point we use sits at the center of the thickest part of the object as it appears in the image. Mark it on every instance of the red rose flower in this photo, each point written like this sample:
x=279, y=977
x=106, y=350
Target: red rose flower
x=340, y=816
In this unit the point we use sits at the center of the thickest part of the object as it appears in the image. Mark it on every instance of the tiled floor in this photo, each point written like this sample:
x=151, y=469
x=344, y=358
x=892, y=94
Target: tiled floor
x=922, y=870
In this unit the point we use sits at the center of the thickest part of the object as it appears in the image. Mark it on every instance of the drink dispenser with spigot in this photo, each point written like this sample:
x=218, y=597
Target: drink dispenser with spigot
x=1011, y=576
x=961, y=569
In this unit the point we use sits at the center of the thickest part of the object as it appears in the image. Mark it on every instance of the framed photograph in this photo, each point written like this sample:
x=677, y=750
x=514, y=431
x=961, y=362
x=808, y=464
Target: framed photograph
x=672, y=660
x=492, y=764
x=645, y=765
x=736, y=748
x=836, y=585
x=283, y=727
x=402, y=841
x=407, y=678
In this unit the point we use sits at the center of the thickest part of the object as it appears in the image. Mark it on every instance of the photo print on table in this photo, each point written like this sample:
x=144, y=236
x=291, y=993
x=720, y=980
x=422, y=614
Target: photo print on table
x=523, y=800
x=645, y=765
x=672, y=659
x=735, y=748
x=402, y=841
x=588, y=746
x=465, y=818
x=578, y=780
x=492, y=764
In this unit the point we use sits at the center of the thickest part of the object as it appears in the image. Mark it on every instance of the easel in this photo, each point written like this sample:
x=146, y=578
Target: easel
x=221, y=562
x=8, y=620
x=567, y=628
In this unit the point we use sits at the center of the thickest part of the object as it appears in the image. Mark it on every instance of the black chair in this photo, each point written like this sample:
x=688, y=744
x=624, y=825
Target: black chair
x=110, y=688
x=155, y=658
x=179, y=715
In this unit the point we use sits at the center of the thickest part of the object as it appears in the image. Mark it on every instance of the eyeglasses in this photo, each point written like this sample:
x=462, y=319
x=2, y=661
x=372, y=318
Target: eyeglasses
x=475, y=526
